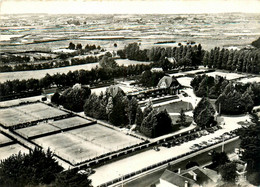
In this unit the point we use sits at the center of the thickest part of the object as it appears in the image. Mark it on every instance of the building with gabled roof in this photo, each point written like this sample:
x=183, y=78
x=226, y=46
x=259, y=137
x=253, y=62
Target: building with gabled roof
x=193, y=177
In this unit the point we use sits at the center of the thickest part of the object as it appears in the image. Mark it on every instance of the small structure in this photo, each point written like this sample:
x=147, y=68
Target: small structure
x=156, y=70
x=170, y=84
x=193, y=177
x=113, y=90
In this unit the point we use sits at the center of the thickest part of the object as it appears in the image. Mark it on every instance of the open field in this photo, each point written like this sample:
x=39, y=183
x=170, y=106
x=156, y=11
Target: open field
x=126, y=62
x=38, y=74
x=185, y=81
x=98, y=91
x=174, y=118
x=4, y=139
x=176, y=107
x=250, y=80
x=70, y=122
x=228, y=76
x=86, y=142
x=36, y=130
x=27, y=113
x=7, y=151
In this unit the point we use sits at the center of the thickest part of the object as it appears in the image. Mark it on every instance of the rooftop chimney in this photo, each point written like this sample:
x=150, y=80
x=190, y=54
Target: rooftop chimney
x=195, y=176
x=186, y=184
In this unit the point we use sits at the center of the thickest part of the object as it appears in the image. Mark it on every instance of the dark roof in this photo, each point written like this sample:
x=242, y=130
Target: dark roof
x=201, y=176
x=176, y=179
x=114, y=90
x=169, y=81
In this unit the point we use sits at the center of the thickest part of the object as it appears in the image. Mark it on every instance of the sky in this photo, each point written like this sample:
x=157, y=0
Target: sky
x=128, y=6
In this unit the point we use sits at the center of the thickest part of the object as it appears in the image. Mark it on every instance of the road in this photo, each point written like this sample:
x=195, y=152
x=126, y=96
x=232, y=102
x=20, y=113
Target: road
x=148, y=158
x=201, y=159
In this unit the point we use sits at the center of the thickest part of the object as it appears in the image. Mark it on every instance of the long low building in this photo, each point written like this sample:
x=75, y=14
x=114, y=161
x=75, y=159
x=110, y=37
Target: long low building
x=167, y=85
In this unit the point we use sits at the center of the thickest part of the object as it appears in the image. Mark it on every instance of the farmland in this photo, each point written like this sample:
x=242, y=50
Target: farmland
x=38, y=74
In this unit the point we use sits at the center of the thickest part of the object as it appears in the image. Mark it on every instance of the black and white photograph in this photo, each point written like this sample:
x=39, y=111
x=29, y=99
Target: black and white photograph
x=130, y=93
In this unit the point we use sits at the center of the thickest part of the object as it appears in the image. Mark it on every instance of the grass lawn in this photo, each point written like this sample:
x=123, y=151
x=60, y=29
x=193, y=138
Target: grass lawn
x=176, y=107
x=175, y=118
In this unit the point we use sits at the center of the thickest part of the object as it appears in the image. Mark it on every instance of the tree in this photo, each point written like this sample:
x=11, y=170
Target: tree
x=139, y=116
x=55, y=98
x=79, y=46
x=230, y=60
x=132, y=110
x=232, y=101
x=148, y=124
x=95, y=107
x=74, y=98
x=156, y=124
x=220, y=58
x=164, y=125
x=256, y=43
x=182, y=118
x=250, y=144
x=118, y=115
x=72, y=178
x=219, y=158
x=206, y=59
x=228, y=172
x=35, y=168
x=71, y=46
x=203, y=113
x=107, y=62
x=150, y=79
x=148, y=108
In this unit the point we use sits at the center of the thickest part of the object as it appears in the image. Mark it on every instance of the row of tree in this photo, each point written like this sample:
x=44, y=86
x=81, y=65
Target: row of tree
x=62, y=80
x=249, y=153
x=231, y=98
x=150, y=79
x=114, y=106
x=72, y=98
x=119, y=110
x=203, y=114
x=250, y=145
x=15, y=59
x=87, y=48
x=183, y=55
x=38, y=168
x=48, y=65
x=233, y=60
x=156, y=123
x=208, y=86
